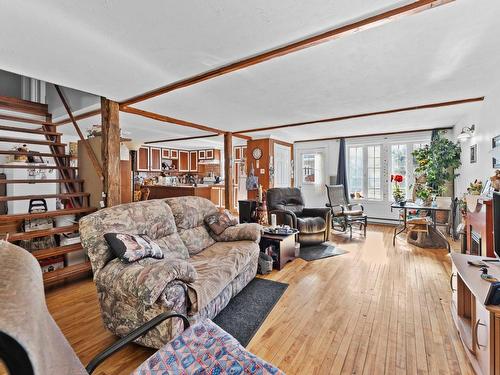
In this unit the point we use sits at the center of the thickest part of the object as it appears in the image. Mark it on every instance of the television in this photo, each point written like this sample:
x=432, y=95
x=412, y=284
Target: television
x=496, y=222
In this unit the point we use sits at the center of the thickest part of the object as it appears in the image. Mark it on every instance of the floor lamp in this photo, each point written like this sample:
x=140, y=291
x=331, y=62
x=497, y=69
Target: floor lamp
x=133, y=147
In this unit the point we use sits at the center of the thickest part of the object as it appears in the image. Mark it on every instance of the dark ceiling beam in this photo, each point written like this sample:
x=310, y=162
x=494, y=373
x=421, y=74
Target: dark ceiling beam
x=172, y=120
x=81, y=116
x=182, y=139
x=374, y=134
x=368, y=114
x=366, y=23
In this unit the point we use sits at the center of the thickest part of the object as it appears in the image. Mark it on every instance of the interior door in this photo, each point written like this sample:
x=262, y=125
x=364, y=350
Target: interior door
x=282, y=163
x=311, y=173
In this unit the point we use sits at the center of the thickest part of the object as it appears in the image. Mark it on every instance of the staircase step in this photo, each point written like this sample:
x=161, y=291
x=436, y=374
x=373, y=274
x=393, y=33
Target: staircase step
x=42, y=181
x=24, y=119
x=32, y=153
x=26, y=130
x=32, y=166
x=25, y=106
x=31, y=141
x=42, y=233
x=56, y=251
x=42, y=215
x=66, y=272
x=43, y=196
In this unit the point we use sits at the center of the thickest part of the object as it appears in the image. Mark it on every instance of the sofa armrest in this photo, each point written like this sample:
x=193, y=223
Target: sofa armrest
x=145, y=280
x=317, y=212
x=240, y=232
x=285, y=217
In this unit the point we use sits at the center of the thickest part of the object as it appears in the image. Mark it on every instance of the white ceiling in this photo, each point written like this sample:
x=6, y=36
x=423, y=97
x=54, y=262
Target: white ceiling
x=119, y=49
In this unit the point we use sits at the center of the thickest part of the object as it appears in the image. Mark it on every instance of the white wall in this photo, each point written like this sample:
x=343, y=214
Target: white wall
x=487, y=121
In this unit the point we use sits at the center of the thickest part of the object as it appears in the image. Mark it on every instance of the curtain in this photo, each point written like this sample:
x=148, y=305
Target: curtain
x=434, y=134
x=342, y=168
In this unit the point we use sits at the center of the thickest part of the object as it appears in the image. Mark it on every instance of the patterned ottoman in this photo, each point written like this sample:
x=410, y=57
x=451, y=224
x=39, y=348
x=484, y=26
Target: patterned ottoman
x=205, y=348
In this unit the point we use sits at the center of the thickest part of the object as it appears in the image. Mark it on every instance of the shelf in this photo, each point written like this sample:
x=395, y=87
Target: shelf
x=42, y=233
x=67, y=272
x=42, y=215
x=56, y=251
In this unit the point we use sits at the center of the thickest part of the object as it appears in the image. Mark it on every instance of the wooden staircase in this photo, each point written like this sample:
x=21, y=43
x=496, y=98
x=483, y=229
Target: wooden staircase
x=30, y=123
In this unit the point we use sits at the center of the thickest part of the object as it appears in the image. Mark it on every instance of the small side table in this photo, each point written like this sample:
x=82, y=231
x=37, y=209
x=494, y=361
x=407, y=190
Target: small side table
x=280, y=247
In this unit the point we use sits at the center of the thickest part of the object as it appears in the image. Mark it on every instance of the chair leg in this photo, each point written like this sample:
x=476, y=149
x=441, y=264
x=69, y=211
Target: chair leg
x=364, y=227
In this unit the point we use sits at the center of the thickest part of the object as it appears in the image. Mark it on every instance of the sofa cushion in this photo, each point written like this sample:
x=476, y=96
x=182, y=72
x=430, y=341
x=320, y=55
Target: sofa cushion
x=216, y=267
x=220, y=221
x=311, y=224
x=132, y=247
x=189, y=214
x=153, y=218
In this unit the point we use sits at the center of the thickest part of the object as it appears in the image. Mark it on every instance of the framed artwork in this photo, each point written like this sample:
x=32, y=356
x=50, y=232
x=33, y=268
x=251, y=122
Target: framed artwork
x=495, y=142
x=473, y=153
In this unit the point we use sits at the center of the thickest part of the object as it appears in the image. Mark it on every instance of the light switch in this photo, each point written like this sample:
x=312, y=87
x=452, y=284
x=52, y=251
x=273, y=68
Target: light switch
x=262, y=171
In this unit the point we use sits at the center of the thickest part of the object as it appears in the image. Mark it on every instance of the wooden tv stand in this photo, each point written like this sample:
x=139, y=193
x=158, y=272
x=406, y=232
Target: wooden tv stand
x=477, y=324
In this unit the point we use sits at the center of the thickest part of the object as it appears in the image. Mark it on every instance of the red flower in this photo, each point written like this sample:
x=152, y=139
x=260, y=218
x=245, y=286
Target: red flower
x=396, y=178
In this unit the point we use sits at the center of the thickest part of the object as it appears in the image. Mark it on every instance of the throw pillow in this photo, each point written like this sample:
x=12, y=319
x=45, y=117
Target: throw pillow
x=220, y=221
x=132, y=247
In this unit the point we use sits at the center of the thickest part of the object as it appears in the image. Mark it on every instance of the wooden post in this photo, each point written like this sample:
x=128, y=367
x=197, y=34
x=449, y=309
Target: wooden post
x=228, y=171
x=110, y=149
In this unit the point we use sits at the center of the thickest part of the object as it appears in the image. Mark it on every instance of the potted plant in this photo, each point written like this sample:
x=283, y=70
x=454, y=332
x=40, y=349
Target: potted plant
x=397, y=192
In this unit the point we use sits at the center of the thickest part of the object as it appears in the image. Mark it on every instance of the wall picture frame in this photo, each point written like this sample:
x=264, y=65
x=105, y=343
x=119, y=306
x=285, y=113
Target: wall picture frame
x=473, y=154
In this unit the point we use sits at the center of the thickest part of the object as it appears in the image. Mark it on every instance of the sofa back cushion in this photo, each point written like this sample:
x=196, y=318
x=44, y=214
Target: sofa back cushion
x=153, y=218
x=285, y=199
x=189, y=214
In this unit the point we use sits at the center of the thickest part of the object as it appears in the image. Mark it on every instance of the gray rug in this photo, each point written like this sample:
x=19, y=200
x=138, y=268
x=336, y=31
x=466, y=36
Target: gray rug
x=320, y=251
x=246, y=312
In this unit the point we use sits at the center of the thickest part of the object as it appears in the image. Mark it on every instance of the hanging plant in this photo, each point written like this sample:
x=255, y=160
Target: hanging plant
x=437, y=162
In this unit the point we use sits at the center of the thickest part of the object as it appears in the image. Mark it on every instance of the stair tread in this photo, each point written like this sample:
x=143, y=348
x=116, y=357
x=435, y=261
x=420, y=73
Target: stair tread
x=42, y=181
x=41, y=215
x=21, y=105
x=56, y=251
x=32, y=153
x=31, y=166
x=46, y=196
x=18, y=236
x=69, y=271
x=24, y=119
x=26, y=130
x=31, y=141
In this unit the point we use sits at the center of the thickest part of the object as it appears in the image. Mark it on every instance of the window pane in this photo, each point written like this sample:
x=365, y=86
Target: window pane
x=308, y=168
x=374, y=190
x=398, y=164
x=356, y=172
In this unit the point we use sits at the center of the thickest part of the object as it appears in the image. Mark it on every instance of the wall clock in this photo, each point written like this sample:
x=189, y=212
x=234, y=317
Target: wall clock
x=257, y=153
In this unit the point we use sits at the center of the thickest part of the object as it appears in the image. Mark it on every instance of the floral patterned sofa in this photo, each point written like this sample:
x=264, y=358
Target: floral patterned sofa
x=198, y=276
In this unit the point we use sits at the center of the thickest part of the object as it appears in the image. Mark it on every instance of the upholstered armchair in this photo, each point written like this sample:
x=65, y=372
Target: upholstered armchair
x=288, y=205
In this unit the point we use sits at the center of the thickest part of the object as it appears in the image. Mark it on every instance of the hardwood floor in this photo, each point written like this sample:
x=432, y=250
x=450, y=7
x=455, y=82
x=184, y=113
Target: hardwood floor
x=378, y=309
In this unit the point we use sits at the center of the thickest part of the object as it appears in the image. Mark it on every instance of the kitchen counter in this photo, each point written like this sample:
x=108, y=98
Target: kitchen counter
x=163, y=191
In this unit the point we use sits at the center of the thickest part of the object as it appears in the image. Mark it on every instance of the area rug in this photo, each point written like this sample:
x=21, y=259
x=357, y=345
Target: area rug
x=320, y=251
x=246, y=312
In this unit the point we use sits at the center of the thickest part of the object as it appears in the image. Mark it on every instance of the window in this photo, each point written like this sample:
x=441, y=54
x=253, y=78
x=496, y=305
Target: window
x=374, y=190
x=356, y=172
x=398, y=164
x=309, y=169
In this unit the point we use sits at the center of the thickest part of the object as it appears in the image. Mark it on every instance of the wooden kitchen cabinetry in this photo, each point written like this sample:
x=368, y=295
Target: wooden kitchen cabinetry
x=155, y=159
x=143, y=159
x=478, y=324
x=183, y=161
x=193, y=161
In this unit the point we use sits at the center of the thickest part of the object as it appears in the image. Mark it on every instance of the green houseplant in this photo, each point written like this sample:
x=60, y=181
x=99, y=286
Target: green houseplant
x=436, y=164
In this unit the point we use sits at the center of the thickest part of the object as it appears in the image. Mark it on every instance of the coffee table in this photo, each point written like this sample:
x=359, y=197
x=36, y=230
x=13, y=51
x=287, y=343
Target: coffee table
x=281, y=247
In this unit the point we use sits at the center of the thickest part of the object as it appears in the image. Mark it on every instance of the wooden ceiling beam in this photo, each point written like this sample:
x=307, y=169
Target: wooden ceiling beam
x=172, y=120
x=368, y=114
x=366, y=23
x=373, y=135
x=181, y=139
x=81, y=116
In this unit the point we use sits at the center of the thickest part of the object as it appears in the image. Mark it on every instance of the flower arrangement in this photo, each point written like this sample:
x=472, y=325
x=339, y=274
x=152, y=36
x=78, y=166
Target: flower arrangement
x=397, y=192
x=475, y=188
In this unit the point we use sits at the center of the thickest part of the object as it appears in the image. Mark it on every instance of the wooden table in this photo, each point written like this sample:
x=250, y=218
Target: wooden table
x=401, y=227
x=283, y=248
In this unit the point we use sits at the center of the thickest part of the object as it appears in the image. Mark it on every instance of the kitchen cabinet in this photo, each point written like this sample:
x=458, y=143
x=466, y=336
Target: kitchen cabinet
x=165, y=153
x=143, y=159
x=155, y=159
x=183, y=161
x=174, y=154
x=193, y=161
x=201, y=155
x=217, y=196
x=209, y=154
x=240, y=152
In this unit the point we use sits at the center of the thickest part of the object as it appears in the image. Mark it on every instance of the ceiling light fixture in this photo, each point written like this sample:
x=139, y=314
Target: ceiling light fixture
x=466, y=133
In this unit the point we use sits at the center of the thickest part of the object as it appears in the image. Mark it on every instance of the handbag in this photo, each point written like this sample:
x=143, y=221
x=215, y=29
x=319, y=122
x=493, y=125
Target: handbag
x=30, y=225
